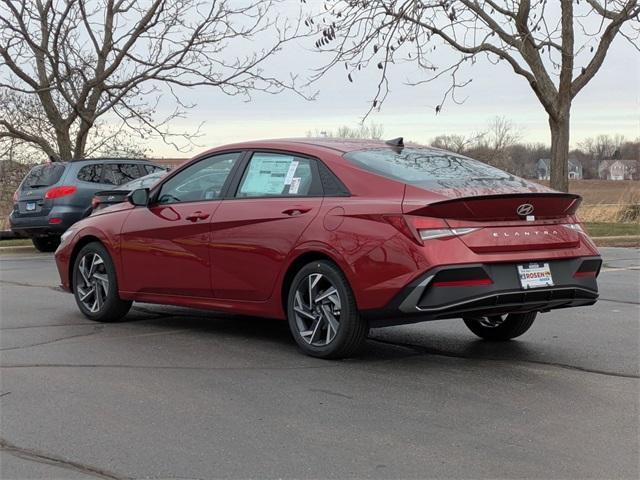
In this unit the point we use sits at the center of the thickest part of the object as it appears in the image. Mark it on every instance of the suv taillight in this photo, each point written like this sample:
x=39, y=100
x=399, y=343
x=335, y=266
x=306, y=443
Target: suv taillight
x=62, y=191
x=15, y=196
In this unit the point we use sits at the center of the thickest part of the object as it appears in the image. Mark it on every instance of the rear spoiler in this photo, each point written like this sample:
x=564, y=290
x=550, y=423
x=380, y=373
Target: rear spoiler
x=500, y=206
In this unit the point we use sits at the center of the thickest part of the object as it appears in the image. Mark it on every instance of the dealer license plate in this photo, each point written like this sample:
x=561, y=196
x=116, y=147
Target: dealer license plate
x=31, y=206
x=535, y=275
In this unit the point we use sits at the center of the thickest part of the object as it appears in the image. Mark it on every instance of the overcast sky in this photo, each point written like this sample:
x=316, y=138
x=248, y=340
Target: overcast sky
x=610, y=104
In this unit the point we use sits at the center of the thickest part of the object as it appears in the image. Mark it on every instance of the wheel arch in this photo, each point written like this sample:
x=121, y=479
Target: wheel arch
x=85, y=240
x=296, y=264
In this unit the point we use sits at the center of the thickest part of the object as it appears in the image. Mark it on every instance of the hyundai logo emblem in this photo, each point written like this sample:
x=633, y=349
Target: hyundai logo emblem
x=525, y=209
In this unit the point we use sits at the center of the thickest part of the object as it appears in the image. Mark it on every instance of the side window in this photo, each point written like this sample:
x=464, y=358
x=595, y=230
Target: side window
x=119, y=173
x=331, y=184
x=150, y=168
x=90, y=173
x=201, y=181
x=278, y=175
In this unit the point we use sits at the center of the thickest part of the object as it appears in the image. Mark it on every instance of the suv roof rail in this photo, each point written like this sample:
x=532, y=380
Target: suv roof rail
x=93, y=159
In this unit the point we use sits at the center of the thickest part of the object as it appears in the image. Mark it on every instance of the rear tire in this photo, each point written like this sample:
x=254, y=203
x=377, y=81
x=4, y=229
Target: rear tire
x=501, y=328
x=95, y=286
x=46, y=244
x=322, y=312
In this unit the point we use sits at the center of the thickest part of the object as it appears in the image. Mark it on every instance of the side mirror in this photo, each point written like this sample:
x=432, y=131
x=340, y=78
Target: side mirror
x=139, y=197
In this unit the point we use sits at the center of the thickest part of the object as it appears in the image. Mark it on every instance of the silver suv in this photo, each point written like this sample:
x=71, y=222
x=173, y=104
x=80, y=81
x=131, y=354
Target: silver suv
x=54, y=196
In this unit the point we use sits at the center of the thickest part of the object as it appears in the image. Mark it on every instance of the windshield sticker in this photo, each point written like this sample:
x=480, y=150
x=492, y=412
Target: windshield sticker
x=267, y=175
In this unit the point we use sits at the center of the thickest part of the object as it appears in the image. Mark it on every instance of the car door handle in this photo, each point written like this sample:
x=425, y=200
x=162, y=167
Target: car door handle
x=195, y=216
x=295, y=211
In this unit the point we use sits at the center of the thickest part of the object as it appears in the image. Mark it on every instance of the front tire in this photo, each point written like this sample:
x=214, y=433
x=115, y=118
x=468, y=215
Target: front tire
x=322, y=312
x=95, y=286
x=46, y=244
x=501, y=327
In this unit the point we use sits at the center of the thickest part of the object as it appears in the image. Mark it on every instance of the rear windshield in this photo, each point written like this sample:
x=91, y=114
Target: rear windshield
x=422, y=166
x=43, y=175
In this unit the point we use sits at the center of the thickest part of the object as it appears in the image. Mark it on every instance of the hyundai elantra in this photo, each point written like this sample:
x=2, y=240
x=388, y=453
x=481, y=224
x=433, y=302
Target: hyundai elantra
x=336, y=237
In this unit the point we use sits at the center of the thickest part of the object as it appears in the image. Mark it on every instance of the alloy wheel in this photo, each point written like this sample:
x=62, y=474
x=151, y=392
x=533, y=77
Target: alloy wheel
x=492, y=321
x=93, y=282
x=317, y=308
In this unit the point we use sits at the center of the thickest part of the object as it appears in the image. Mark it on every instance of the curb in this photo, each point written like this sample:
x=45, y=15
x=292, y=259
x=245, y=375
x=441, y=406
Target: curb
x=629, y=241
x=18, y=249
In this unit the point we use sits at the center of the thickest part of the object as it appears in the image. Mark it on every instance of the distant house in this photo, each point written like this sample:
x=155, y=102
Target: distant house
x=619, y=169
x=543, y=169
x=169, y=163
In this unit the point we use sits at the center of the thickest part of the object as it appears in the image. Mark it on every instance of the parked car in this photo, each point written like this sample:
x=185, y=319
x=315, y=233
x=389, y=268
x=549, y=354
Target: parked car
x=105, y=198
x=337, y=236
x=54, y=196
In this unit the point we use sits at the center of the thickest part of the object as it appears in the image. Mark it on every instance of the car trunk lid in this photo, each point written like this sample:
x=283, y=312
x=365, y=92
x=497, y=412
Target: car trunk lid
x=502, y=221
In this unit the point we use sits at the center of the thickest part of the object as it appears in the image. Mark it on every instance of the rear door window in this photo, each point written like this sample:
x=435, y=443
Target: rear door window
x=90, y=173
x=43, y=175
x=119, y=173
x=279, y=175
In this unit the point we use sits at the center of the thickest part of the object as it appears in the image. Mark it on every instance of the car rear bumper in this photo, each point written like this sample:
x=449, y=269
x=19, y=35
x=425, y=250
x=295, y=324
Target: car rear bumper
x=423, y=299
x=41, y=226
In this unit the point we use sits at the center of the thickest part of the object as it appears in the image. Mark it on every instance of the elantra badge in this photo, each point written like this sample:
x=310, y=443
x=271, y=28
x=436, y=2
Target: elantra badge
x=524, y=210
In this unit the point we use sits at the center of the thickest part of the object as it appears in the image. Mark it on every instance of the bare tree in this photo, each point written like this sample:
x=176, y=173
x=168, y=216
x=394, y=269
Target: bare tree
x=67, y=65
x=556, y=46
x=455, y=143
x=372, y=131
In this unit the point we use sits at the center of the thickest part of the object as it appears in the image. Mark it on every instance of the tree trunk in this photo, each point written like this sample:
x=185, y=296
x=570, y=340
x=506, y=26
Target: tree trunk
x=560, y=151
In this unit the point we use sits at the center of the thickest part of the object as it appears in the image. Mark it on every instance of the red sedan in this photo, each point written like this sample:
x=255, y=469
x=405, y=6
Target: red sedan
x=337, y=236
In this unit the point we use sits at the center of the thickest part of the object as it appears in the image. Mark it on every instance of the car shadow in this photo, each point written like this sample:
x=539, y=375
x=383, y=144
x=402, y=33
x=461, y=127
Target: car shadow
x=382, y=344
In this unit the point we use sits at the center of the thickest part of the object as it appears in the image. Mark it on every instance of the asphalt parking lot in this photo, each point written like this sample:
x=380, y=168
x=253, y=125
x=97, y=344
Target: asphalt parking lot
x=183, y=394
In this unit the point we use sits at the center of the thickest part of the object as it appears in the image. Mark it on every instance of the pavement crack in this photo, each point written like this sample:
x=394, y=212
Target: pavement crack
x=96, y=329
x=430, y=351
x=49, y=459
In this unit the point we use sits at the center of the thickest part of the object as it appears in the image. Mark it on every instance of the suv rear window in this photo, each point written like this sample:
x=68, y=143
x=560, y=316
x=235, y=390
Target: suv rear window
x=43, y=175
x=417, y=166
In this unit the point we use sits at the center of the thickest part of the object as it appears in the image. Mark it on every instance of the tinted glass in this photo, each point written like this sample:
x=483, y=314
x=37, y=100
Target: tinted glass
x=419, y=166
x=201, y=181
x=43, y=175
x=119, y=173
x=273, y=174
x=90, y=173
x=151, y=168
x=143, y=182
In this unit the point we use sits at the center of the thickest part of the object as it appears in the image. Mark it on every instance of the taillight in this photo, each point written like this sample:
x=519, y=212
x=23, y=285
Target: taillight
x=574, y=226
x=419, y=229
x=95, y=202
x=62, y=191
x=431, y=228
x=15, y=196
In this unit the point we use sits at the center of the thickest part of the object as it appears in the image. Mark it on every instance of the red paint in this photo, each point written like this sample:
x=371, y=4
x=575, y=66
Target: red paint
x=234, y=254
